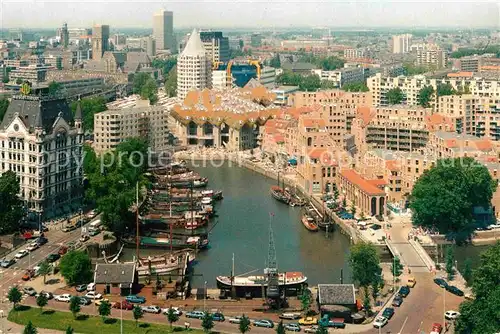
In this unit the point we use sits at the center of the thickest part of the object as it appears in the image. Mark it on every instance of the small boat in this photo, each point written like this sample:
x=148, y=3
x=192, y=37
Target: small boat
x=206, y=201
x=279, y=194
x=309, y=223
x=200, y=183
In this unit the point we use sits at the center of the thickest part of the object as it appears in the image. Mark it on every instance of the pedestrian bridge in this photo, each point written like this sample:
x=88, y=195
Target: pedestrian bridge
x=408, y=254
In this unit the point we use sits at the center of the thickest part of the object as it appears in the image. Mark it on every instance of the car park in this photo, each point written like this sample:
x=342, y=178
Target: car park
x=292, y=327
x=441, y=282
x=218, y=316
x=404, y=291
x=135, y=299
x=264, y=323
x=388, y=312
x=454, y=290
x=312, y=329
x=93, y=295
x=195, y=314
x=22, y=253
x=29, y=291
x=451, y=315
x=63, y=298
x=397, y=301
x=53, y=257
x=290, y=316
x=380, y=322
x=81, y=287
x=124, y=305
x=6, y=263
x=308, y=321
x=151, y=309
x=177, y=311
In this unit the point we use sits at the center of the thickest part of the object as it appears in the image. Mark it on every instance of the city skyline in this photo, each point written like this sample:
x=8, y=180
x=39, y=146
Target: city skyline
x=258, y=14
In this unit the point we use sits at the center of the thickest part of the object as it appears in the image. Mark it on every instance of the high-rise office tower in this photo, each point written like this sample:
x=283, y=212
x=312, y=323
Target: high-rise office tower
x=163, y=30
x=64, y=35
x=194, y=67
x=401, y=43
x=100, y=41
x=216, y=46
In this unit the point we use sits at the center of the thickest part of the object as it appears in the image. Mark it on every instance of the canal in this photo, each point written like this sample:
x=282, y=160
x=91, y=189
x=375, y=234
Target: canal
x=243, y=218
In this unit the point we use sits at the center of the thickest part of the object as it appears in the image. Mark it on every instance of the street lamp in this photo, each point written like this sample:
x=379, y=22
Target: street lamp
x=205, y=298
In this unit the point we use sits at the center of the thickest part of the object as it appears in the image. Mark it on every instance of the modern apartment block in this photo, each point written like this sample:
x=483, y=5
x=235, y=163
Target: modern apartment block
x=32, y=73
x=401, y=43
x=113, y=126
x=100, y=41
x=42, y=142
x=434, y=57
x=163, y=30
x=342, y=76
x=304, y=99
x=194, y=67
x=216, y=46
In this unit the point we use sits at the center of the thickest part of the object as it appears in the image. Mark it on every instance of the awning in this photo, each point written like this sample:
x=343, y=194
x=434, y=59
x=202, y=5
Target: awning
x=292, y=161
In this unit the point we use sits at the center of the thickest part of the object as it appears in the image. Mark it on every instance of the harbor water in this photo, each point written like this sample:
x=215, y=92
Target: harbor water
x=242, y=229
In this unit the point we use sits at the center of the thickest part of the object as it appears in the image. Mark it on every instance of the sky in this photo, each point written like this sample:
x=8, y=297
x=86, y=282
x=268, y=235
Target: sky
x=250, y=13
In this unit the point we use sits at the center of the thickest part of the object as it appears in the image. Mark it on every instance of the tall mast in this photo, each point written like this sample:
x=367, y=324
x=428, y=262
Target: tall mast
x=192, y=208
x=137, y=221
x=272, y=268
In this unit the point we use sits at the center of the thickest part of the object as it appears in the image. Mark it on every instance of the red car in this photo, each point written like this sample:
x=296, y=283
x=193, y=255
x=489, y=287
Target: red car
x=436, y=328
x=125, y=305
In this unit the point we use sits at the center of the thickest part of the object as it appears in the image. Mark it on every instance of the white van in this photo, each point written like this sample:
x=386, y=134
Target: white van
x=95, y=225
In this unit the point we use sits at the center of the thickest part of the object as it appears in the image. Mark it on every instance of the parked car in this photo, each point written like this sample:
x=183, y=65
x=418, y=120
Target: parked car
x=195, y=314
x=53, y=257
x=91, y=286
x=177, y=311
x=47, y=294
x=404, y=291
x=398, y=300
x=451, y=315
x=135, y=299
x=235, y=320
x=151, y=309
x=308, y=321
x=29, y=274
x=63, y=298
x=29, y=291
x=312, y=329
x=93, y=295
x=217, y=316
x=84, y=301
x=22, y=253
x=93, y=233
x=290, y=316
x=32, y=246
x=124, y=305
x=380, y=322
x=264, y=323
x=441, y=282
x=6, y=263
x=84, y=238
x=436, y=328
x=454, y=290
x=63, y=250
x=292, y=327
x=98, y=302
x=388, y=312
x=42, y=241
x=81, y=287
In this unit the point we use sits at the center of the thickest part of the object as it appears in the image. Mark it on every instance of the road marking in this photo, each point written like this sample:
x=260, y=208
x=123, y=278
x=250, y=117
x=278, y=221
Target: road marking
x=404, y=323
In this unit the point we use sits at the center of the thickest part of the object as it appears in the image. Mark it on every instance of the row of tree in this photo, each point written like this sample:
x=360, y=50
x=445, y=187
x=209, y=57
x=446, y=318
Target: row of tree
x=427, y=94
x=145, y=85
x=329, y=63
x=90, y=107
x=471, y=52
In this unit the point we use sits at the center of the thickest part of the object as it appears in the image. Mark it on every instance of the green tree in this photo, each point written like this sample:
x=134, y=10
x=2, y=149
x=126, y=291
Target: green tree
x=70, y=330
x=445, y=89
x=355, y=87
x=30, y=328
x=367, y=302
x=11, y=207
x=394, y=96
x=365, y=264
x=310, y=83
x=74, y=305
x=138, y=313
x=450, y=259
x=54, y=88
x=4, y=104
x=89, y=107
x=480, y=315
x=280, y=329
x=275, y=61
x=322, y=330
x=444, y=196
x=19, y=81
x=15, y=296
x=165, y=65
x=411, y=69
x=467, y=272
x=353, y=208
x=44, y=270
x=244, y=324
x=171, y=316
x=328, y=84
x=425, y=96
x=207, y=323
x=104, y=310
x=76, y=267
x=396, y=267
x=42, y=301
x=171, y=83
x=149, y=91
x=305, y=301
x=241, y=43
x=344, y=203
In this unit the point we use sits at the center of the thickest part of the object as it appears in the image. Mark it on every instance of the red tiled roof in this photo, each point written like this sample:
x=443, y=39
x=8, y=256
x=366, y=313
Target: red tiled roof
x=323, y=154
x=392, y=165
x=378, y=182
x=279, y=138
x=310, y=122
x=361, y=182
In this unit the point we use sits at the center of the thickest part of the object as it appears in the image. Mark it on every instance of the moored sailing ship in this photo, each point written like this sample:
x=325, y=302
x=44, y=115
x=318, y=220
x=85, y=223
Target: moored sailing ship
x=309, y=222
x=279, y=194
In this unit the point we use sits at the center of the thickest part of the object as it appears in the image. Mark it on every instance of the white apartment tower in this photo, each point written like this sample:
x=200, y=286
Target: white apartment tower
x=163, y=30
x=401, y=43
x=194, y=67
x=41, y=142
